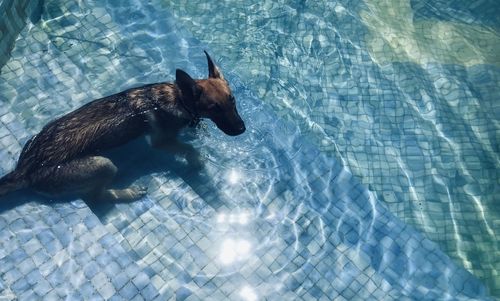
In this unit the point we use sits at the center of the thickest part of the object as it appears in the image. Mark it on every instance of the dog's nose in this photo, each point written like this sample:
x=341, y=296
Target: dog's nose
x=237, y=130
x=242, y=129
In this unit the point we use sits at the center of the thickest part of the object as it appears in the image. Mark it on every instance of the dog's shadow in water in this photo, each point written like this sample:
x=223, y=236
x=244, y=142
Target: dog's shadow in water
x=134, y=160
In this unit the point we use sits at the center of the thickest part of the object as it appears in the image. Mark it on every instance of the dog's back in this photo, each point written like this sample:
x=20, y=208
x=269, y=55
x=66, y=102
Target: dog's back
x=97, y=126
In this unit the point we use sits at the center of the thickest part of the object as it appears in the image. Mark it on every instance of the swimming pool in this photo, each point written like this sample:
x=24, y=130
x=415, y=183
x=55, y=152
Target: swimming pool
x=396, y=93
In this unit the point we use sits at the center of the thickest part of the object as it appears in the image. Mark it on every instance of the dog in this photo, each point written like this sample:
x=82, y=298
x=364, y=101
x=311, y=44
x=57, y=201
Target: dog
x=65, y=158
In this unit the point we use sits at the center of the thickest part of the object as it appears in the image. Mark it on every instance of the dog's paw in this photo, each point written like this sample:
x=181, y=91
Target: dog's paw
x=130, y=194
x=137, y=192
x=194, y=160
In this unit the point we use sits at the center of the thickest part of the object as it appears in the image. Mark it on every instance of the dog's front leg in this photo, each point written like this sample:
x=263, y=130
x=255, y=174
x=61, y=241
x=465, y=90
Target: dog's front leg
x=170, y=144
x=186, y=150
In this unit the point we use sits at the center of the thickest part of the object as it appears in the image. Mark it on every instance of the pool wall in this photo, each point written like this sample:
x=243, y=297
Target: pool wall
x=13, y=16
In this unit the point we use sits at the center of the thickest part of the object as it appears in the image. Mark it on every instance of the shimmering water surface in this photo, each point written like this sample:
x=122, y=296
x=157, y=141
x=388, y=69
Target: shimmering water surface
x=369, y=170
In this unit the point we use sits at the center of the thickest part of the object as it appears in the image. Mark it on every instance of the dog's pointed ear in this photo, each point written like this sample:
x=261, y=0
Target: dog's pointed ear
x=187, y=85
x=213, y=71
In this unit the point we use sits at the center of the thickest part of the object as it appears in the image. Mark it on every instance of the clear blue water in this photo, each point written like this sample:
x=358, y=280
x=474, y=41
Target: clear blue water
x=369, y=170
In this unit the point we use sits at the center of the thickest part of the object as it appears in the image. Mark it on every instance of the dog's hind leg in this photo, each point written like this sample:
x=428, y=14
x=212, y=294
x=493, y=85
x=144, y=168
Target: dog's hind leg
x=87, y=177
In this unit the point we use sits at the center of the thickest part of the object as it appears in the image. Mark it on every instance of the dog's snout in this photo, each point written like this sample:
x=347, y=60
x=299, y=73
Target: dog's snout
x=233, y=129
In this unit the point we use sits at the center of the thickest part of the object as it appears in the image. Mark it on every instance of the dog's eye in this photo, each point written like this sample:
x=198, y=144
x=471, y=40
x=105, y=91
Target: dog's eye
x=215, y=106
x=231, y=99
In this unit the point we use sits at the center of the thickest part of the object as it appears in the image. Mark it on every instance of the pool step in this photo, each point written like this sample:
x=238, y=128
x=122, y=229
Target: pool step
x=62, y=250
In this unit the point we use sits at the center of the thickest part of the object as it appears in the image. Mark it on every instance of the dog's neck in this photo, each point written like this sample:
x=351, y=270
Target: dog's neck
x=161, y=98
x=192, y=111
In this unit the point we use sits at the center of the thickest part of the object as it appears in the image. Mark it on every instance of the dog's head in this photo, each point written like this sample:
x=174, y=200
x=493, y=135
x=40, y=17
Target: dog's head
x=211, y=98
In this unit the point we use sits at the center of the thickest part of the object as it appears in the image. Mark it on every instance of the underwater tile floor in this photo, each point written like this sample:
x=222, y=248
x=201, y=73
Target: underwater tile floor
x=404, y=93
x=269, y=216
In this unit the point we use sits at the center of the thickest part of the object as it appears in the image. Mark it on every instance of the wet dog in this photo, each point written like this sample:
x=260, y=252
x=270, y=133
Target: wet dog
x=65, y=157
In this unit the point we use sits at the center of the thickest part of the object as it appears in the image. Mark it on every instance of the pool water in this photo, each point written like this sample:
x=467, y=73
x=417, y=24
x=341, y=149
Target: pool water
x=369, y=169
x=404, y=93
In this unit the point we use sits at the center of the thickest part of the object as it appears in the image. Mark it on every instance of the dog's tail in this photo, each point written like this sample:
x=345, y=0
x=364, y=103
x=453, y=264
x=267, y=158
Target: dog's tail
x=11, y=182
